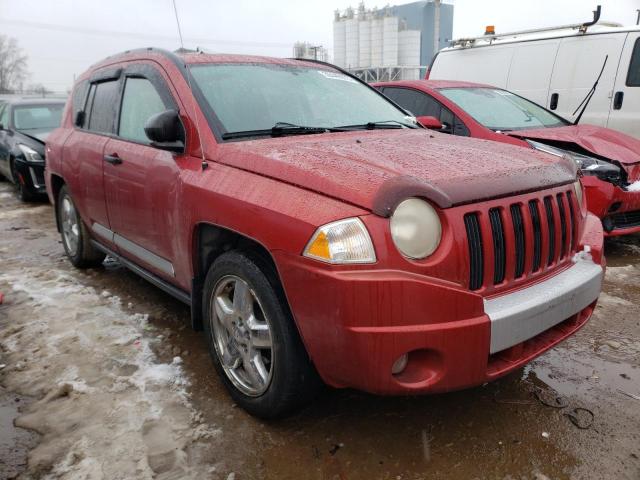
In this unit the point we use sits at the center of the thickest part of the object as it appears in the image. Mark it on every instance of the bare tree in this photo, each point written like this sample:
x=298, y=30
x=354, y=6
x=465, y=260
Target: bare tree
x=38, y=89
x=13, y=64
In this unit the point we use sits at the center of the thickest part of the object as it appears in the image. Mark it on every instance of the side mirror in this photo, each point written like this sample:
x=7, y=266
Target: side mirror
x=79, y=120
x=165, y=131
x=429, y=122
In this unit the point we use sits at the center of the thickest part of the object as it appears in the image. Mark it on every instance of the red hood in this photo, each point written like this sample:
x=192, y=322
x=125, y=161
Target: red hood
x=601, y=141
x=373, y=168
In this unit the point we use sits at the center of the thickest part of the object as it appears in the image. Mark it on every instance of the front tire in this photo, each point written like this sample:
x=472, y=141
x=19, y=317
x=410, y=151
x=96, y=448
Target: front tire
x=24, y=195
x=252, y=338
x=75, y=237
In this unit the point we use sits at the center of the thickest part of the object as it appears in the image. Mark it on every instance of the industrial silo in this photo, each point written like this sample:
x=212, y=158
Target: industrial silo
x=389, y=41
x=339, y=41
x=376, y=41
x=409, y=53
x=364, y=40
x=351, y=35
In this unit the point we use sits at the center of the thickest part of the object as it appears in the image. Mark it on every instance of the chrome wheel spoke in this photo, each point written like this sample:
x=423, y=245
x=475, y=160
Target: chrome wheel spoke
x=255, y=369
x=231, y=360
x=242, y=298
x=259, y=332
x=225, y=312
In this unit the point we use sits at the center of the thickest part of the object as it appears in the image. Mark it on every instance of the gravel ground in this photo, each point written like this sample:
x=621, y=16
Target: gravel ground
x=101, y=378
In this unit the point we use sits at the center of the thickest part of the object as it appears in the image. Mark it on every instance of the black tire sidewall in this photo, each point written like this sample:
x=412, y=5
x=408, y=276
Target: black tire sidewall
x=23, y=193
x=280, y=396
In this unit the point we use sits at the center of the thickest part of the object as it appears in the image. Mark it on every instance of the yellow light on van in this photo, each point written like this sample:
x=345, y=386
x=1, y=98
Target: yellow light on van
x=490, y=30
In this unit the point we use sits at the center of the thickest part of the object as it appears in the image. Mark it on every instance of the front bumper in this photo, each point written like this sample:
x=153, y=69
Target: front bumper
x=521, y=315
x=618, y=209
x=356, y=323
x=31, y=175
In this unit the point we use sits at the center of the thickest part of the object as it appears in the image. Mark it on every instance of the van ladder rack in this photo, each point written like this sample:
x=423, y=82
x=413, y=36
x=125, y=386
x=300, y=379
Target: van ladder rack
x=581, y=27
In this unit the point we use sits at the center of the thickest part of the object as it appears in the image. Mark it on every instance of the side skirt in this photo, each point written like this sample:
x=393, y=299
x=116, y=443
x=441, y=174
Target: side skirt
x=148, y=276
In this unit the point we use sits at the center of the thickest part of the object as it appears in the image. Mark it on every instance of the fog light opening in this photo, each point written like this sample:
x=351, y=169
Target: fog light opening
x=607, y=224
x=615, y=207
x=400, y=364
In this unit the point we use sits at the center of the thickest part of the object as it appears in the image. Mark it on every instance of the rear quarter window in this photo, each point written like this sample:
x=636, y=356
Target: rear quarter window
x=633, y=77
x=78, y=98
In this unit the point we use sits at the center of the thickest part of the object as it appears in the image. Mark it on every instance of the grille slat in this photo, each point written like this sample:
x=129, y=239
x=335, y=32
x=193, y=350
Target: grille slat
x=563, y=225
x=518, y=231
x=476, y=254
x=499, y=253
x=551, y=224
x=537, y=235
x=572, y=213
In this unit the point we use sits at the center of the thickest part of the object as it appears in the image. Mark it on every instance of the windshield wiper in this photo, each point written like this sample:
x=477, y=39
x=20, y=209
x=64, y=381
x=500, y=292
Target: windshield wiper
x=585, y=103
x=388, y=124
x=285, y=128
x=279, y=129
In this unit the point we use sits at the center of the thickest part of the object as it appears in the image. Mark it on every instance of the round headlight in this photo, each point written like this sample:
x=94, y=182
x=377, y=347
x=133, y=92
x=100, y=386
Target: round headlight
x=415, y=228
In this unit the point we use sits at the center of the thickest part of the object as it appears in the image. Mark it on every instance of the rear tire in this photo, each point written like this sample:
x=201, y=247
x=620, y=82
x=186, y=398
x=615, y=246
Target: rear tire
x=75, y=237
x=252, y=339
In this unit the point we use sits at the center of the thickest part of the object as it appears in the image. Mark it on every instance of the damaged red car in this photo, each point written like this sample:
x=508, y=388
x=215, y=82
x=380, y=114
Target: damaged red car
x=317, y=232
x=609, y=160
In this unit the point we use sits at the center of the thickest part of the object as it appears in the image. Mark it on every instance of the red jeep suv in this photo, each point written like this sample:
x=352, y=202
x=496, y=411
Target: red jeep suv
x=316, y=231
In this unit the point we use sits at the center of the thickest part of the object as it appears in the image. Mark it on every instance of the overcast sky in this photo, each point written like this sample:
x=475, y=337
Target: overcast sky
x=64, y=37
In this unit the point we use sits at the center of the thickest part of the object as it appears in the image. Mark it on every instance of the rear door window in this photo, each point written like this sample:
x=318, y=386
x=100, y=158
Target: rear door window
x=633, y=77
x=417, y=103
x=140, y=101
x=103, y=107
x=423, y=105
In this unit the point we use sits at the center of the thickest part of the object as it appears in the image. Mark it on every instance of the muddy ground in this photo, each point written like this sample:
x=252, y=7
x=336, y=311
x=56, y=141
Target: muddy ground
x=100, y=378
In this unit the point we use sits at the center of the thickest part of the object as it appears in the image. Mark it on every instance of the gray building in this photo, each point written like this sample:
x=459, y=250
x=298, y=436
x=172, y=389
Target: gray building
x=392, y=42
x=423, y=16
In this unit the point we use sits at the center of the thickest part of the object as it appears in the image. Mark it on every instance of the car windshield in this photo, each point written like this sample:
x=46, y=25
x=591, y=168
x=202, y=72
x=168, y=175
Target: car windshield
x=498, y=109
x=37, y=117
x=254, y=97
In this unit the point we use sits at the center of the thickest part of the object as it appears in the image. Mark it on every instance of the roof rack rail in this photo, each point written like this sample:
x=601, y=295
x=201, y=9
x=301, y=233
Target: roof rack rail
x=581, y=27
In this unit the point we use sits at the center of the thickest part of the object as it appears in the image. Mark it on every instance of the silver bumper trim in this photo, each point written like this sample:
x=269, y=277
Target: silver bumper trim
x=521, y=315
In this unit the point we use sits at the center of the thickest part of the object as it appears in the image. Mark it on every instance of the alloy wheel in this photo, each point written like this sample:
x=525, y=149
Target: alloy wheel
x=242, y=335
x=70, y=226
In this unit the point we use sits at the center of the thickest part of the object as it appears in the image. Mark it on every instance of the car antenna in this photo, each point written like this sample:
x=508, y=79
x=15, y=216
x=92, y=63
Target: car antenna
x=204, y=163
x=587, y=99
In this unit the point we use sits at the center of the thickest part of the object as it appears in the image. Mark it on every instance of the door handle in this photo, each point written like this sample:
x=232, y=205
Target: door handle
x=113, y=159
x=617, y=100
x=554, y=101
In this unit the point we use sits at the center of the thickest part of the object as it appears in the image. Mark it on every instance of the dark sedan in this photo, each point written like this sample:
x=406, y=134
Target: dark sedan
x=24, y=126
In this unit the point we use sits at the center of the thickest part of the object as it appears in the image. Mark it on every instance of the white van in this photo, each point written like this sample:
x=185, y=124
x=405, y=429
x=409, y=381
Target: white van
x=557, y=68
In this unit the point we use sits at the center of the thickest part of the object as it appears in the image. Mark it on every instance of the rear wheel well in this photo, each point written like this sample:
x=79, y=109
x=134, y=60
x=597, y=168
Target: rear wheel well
x=211, y=241
x=56, y=185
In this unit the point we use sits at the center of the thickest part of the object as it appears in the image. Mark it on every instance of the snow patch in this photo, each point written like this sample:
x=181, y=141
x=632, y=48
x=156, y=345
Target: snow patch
x=621, y=273
x=634, y=187
x=606, y=299
x=90, y=361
